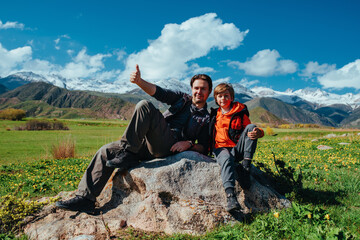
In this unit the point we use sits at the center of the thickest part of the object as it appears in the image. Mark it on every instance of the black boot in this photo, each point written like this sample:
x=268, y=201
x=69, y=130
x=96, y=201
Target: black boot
x=77, y=203
x=232, y=202
x=123, y=160
x=243, y=172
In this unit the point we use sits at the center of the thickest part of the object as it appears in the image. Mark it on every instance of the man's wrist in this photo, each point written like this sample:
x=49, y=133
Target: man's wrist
x=191, y=144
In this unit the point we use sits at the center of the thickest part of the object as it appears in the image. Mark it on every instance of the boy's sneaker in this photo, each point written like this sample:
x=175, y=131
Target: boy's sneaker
x=123, y=160
x=77, y=203
x=232, y=203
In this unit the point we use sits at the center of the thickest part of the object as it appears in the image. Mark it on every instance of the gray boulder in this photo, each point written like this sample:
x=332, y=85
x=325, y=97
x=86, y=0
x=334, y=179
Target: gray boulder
x=182, y=193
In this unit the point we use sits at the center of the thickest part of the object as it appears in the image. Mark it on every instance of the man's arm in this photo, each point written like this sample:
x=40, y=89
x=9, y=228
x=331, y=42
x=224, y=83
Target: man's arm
x=135, y=77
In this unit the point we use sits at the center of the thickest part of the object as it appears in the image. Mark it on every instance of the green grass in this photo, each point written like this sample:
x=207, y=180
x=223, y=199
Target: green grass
x=326, y=207
x=26, y=146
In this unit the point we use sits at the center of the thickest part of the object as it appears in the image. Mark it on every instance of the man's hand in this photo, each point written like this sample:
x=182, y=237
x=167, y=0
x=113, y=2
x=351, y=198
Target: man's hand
x=254, y=134
x=180, y=146
x=135, y=76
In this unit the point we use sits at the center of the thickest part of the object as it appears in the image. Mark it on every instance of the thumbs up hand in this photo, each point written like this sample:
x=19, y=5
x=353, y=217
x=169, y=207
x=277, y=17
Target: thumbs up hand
x=135, y=76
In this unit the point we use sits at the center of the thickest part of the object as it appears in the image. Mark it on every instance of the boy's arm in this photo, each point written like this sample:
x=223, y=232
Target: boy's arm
x=256, y=133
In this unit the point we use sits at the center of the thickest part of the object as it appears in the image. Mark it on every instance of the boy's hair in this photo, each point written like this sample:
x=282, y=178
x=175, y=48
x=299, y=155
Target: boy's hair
x=202, y=77
x=221, y=88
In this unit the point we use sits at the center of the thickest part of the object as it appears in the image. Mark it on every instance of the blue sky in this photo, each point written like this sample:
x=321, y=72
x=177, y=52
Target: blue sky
x=276, y=44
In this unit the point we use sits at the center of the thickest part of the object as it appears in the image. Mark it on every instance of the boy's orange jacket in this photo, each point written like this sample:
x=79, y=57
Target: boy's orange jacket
x=225, y=129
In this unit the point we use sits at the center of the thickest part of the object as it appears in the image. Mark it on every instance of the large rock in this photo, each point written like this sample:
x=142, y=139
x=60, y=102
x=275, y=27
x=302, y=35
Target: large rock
x=180, y=194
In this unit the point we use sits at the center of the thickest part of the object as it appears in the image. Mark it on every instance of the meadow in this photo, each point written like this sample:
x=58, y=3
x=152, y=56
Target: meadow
x=27, y=146
x=325, y=206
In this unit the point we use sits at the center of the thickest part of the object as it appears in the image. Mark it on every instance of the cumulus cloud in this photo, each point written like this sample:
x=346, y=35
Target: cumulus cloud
x=120, y=54
x=84, y=65
x=39, y=66
x=266, y=63
x=246, y=83
x=221, y=80
x=347, y=76
x=8, y=25
x=313, y=69
x=10, y=60
x=168, y=56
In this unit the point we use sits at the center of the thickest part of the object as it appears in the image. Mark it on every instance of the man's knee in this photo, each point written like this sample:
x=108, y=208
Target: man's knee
x=143, y=104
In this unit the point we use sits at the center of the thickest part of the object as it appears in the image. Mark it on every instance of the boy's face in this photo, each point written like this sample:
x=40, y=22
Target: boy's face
x=224, y=99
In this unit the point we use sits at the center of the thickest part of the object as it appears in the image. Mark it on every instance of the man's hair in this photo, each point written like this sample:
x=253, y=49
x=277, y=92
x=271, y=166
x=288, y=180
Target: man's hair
x=221, y=88
x=202, y=77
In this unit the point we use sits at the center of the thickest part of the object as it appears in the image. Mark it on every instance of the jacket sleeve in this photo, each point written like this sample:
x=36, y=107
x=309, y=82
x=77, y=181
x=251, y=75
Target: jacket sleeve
x=167, y=96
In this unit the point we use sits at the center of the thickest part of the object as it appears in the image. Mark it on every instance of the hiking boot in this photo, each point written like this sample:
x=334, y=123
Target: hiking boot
x=123, y=160
x=232, y=203
x=77, y=203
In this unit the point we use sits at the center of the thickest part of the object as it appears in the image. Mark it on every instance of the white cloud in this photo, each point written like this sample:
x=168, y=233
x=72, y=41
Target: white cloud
x=347, y=76
x=70, y=52
x=57, y=41
x=168, y=56
x=11, y=60
x=221, y=80
x=196, y=69
x=8, y=25
x=246, y=83
x=313, y=69
x=39, y=66
x=266, y=63
x=84, y=65
x=120, y=54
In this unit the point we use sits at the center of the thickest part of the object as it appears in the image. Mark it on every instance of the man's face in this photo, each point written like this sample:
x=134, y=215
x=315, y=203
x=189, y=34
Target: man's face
x=200, y=91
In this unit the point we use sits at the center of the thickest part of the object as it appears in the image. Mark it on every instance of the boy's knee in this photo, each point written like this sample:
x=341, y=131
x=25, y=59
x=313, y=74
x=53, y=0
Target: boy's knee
x=250, y=127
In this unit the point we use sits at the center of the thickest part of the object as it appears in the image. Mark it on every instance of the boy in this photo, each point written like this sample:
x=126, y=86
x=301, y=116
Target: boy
x=233, y=140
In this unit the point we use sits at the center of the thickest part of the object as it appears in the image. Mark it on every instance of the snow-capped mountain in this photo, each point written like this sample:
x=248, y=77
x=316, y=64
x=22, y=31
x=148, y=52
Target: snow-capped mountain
x=316, y=96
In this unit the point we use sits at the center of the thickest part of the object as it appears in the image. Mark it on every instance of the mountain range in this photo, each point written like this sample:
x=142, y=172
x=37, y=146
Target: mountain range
x=107, y=99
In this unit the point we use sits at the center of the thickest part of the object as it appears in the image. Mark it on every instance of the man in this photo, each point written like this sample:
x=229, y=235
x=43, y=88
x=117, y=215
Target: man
x=150, y=134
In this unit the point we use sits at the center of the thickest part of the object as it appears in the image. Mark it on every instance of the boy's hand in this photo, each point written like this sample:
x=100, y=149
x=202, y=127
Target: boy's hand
x=254, y=134
x=135, y=76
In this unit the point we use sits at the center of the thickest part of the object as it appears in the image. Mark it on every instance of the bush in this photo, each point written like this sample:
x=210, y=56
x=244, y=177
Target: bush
x=37, y=125
x=12, y=114
x=269, y=131
x=64, y=149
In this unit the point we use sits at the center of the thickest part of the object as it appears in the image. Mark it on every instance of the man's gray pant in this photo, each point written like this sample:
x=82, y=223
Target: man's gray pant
x=226, y=157
x=148, y=136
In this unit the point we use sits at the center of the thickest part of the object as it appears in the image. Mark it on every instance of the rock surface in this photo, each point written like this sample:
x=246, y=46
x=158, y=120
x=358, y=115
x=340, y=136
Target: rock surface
x=324, y=147
x=180, y=194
